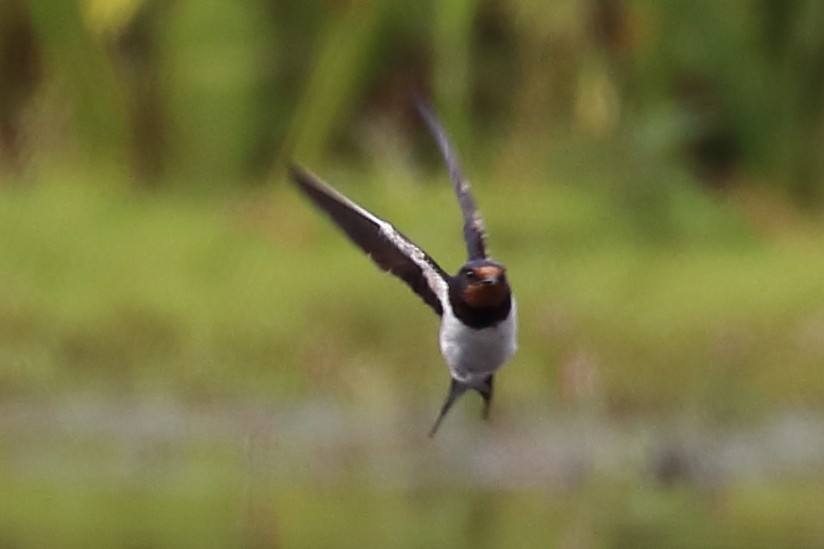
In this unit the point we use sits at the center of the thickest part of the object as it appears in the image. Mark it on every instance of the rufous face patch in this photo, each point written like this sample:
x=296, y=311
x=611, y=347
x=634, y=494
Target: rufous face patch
x=487, y=289
x=488, y=271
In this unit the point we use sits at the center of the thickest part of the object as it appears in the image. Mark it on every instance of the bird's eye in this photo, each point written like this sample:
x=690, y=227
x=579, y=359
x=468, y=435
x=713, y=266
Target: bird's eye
x=470, y=274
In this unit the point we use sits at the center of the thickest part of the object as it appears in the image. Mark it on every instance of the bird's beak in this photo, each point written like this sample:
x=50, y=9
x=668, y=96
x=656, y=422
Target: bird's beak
x=489, y=280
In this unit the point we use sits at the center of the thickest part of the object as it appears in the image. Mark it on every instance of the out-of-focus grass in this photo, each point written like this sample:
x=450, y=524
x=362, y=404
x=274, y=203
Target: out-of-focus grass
x=185, y=493
x=225, y=295
x=124, y=296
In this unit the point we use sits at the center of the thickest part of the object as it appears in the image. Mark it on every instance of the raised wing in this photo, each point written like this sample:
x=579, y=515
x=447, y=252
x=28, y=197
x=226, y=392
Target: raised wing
x=474, y=232
x=388, y=248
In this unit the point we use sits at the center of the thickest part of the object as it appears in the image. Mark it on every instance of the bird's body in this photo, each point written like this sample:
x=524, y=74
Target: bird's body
x=473, y=354
x=478, y=332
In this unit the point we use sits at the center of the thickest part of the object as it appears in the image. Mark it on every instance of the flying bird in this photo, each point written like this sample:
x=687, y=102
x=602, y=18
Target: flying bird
x=476, y=306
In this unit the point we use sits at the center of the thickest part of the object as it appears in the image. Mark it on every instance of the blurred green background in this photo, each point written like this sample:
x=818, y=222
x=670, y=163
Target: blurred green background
x=190, y=356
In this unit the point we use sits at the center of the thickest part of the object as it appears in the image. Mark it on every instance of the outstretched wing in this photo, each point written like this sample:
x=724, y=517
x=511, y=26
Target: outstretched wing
x=474, y=232
x=388, y=248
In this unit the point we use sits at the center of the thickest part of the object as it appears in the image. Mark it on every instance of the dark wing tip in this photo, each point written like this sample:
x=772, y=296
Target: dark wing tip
x=421, y=105
x=430, y=119
x=312, y=186
x=301, y=176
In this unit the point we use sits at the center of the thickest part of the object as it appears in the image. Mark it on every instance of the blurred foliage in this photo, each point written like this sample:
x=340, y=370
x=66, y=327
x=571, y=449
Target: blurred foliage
x=166, y=362
x=189, y=356
x=228, y=92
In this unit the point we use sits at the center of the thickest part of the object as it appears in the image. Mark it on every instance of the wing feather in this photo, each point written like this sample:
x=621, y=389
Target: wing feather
x=386, y=246
x=474, y=231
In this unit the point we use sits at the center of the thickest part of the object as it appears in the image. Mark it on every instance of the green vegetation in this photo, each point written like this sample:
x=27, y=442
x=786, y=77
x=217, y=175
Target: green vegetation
x=191, y=356
x=161, y=291
x=159, y=352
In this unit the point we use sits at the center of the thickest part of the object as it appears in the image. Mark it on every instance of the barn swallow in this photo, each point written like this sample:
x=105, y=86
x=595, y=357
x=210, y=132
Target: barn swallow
x=476, y=306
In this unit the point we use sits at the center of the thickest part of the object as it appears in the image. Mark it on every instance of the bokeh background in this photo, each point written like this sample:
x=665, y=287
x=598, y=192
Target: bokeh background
x=190, y=356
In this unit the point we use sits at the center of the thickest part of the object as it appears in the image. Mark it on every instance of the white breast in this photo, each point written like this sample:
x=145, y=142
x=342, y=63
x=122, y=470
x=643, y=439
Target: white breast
x=474, y=354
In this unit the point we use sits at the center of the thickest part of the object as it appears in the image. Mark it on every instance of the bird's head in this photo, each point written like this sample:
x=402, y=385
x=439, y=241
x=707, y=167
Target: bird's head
x=482, y=284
